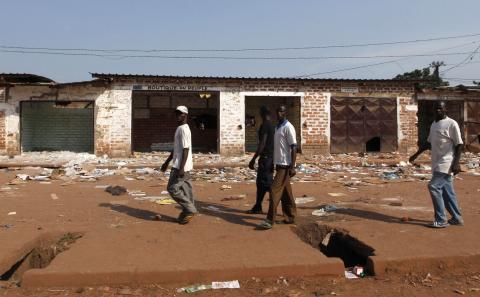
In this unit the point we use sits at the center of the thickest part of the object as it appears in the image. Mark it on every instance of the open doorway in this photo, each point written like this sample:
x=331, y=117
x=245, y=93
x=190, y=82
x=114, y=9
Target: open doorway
x=253, y=119
x=154, y=122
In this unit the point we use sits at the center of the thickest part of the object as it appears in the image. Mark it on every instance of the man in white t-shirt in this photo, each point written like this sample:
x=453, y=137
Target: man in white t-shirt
x=179, y=185
x=445, y=143
x=284, y=157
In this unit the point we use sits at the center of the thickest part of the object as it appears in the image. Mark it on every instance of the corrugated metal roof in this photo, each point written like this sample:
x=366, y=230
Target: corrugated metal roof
x=122, y=75
x=94, y=82
x=24, y=78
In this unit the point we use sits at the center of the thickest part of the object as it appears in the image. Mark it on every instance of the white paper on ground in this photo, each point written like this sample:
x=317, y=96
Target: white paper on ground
x=303, y=200
x=336, y=194
x=226, y=285
x=350, y=275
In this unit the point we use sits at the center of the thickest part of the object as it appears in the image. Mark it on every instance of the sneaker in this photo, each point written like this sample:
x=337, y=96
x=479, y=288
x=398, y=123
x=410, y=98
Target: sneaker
x=266, y=225
x=454, y=221
x=436, y=224
x=185, y=218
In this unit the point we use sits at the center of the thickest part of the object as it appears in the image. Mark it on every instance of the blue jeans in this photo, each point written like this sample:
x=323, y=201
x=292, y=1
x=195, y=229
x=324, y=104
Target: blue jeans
x=443, y=197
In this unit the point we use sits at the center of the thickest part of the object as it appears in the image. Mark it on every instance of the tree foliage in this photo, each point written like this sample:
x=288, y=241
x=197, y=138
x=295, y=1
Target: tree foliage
x=427, y=78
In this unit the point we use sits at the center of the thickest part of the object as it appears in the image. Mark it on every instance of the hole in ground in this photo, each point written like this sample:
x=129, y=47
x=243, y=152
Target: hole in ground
x=333, y=242
x=41, y=255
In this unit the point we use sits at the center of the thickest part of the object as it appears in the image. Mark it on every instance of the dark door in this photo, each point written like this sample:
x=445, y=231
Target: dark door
x=363, y=124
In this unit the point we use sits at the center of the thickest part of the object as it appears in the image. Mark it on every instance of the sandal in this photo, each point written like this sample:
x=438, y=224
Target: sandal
x=266, y=225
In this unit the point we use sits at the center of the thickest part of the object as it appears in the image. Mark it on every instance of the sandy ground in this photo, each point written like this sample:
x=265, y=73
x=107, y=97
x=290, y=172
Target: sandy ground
x=413, y=260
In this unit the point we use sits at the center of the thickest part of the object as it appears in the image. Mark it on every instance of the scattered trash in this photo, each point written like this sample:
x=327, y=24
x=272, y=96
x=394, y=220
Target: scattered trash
x=359, y=271
x=319, y=213
x=12, y=213
x=389, y=175
x=54, y=196
x=23, y=176
x=165, y=201
x=116, y=190
x=459, y=292
x=164, y=193
x=337, y=194
x=137, y=193
x=6, y=226
x=225, y=187
x=195, y=288
x=303, y=200
x=226, y=285
x=101, y=186
x=214, y=285
x=350, y=275
x=40, y=178
x=355, y=272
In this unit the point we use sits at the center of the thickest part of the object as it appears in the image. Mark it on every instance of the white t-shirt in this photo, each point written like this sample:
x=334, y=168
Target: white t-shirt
x=285, y=137
x=444, y=136
x=183, y=139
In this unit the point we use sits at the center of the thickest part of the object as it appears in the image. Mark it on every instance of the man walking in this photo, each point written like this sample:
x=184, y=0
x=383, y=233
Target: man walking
x=285, y=154
x=179, y=185
x=446, y=144
x=265, y=161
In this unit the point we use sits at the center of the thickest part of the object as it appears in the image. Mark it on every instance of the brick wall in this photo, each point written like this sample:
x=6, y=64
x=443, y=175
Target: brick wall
x=232, y=123
x=408, y=130
x=315, y=125
x=113, y=109
x=3, y=135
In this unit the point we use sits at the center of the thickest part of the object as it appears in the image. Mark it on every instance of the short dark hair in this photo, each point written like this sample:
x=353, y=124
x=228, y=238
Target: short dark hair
x=264, y=111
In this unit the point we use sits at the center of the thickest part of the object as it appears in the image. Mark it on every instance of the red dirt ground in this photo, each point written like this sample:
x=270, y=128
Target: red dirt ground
x=119, y=228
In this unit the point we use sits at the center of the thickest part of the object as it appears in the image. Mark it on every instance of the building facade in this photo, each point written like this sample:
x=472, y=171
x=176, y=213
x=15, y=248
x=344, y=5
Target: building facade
x=117, y=114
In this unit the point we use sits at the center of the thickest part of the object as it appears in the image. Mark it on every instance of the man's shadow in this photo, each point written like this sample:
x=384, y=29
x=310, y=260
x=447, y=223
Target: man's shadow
x=142, y=214
x=224, y=212
x=221, y=211
x=372, y=215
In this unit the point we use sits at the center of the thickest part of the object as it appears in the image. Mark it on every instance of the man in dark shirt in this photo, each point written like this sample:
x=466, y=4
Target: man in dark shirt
x=265, y=162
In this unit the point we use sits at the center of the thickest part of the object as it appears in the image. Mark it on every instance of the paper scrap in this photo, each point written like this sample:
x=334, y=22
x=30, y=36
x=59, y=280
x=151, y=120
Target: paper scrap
x=350, y=275
x=165, y=201
x=303, y=200
x=226, y=285
x=336, y=194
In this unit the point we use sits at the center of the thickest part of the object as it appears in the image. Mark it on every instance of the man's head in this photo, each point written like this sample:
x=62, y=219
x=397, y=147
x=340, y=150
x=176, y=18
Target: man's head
x=181, y=113
x=440, y=110
x=282, y=112
x=265, y=112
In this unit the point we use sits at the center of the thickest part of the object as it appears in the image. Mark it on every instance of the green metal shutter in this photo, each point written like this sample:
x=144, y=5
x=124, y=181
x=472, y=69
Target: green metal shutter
x=47, y=127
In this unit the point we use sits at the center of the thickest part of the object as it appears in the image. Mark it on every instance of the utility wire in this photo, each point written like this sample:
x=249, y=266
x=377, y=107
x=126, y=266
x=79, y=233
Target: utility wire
x=241, y=49
x=231, y=57
x=465, y=61
x=377, y=64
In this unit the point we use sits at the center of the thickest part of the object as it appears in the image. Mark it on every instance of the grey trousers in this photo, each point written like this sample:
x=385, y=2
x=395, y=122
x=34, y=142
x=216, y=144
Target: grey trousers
x=180, y=188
